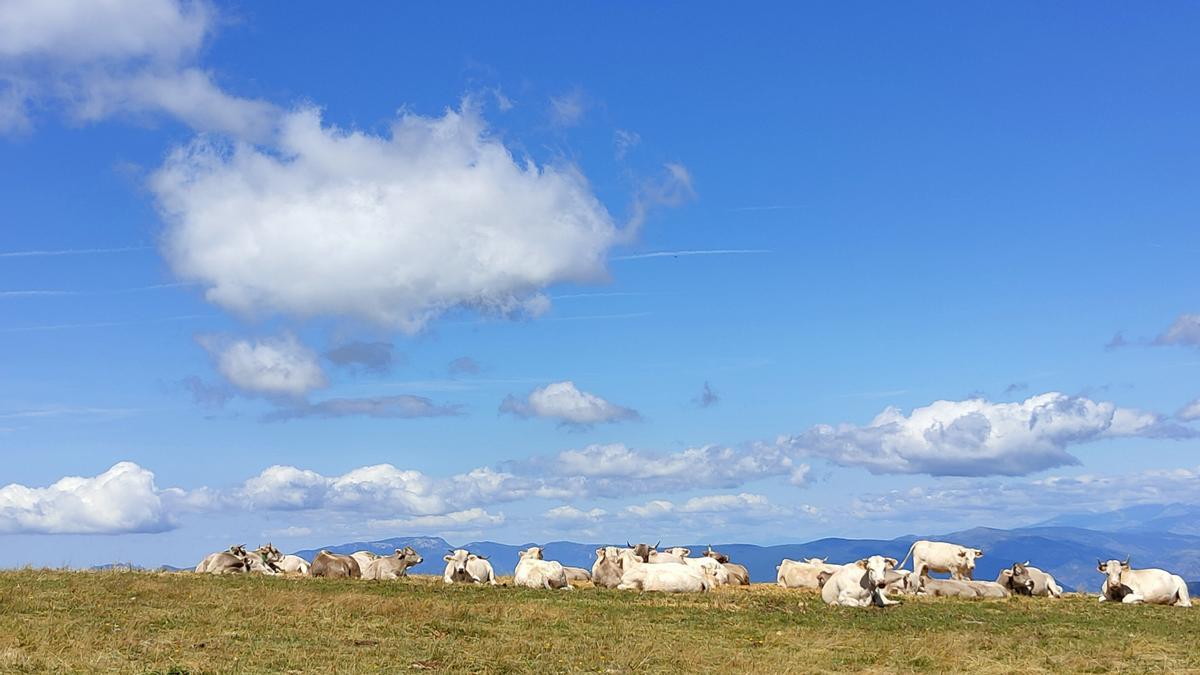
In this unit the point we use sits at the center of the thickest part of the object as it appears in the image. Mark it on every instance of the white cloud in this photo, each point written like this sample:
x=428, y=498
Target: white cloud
x=624, y=141
x=567, y=110
x=274, y=366
x=100, y=58
x=616, y=469
x=1184, y=332
x=977, y=437
x=455, y=521
x=1189, y=412
x=123, y=499
x=568, y=515
x=392, y=229
x=563, y=401
x=971, y=499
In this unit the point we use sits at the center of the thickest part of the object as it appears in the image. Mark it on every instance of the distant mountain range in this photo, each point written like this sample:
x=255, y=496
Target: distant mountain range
x=1165, y=536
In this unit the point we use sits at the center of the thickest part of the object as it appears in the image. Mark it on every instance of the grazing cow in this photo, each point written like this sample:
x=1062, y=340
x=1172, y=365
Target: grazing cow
x=293, y=564
x=534, y=572
x=803, y=573
x=663, y=577
x=607, y=571
x=1024, y=579
x=464, y=567
x=332, y=565
x=1130, y=586
x=859, y=584
x=386, y=568
x=738, y=574
x=230, y=561
x=364, y=558
x=945, y=588
x=938, y=556
x=577, y=574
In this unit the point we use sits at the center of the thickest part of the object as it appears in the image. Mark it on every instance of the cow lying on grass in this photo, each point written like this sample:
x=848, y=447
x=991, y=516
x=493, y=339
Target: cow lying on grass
x=1130, y=586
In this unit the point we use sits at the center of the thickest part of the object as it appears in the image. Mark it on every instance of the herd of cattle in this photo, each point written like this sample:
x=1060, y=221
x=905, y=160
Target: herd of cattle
x=863, y=583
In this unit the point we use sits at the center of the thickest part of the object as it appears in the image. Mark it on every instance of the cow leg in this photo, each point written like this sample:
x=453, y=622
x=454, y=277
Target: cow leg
x=919, y=568
x=1133, y=599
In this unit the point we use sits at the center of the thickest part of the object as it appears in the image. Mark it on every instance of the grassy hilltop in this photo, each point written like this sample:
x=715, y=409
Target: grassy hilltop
x=156, y=622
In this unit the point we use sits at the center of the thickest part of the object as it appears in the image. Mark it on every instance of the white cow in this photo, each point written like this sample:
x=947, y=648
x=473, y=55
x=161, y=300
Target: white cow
x=860, y=584
x=711, y=567
x=293, y=564
x=803, y=573
x=462, y=566
x=658, y=557
x=534, y=572
x=1130, y=586
x=230, y=561
x=607, y=570
x=364, y=558
x=668, y=577
x=938, y=556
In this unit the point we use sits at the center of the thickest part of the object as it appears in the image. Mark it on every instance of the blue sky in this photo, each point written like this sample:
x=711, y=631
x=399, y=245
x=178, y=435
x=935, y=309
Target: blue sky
x=243, y=236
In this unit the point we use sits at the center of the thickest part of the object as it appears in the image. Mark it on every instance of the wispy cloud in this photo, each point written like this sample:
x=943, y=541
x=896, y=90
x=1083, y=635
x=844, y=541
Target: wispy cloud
x=111, y=291
x=105, y=324
x=72, y=251
x=681, y=254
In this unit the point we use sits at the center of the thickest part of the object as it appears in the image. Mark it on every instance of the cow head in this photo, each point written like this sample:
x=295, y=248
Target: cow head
x=531, y=553
x=1019, y=580
x=877, y=568
x=409, y=555
x=268, y=553
x=1112, y=569
x=967, y=557
x=643, y=551
x=719, y=557
x=458, y=560
x=680, y=551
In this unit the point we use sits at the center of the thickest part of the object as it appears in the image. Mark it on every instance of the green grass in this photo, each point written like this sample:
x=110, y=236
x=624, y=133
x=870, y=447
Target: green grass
x=52, y=621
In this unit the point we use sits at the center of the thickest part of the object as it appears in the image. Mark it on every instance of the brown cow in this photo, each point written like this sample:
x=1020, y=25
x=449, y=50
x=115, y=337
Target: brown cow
x=738, y=574
x=332, y=565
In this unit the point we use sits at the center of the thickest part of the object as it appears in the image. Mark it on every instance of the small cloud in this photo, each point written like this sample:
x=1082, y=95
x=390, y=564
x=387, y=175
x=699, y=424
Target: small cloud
x=1118, y=341
x=402, y=406
x=1015, y=388
x=1185, y=332
x=673, y=188
x=1189, y=412
x=567, y=110
x=272, y=367
x=464, y=365
x=206, y=394
x=707, y=397
x=503, y=102
x=624, y=141
x=566, y=403
x=375, y=357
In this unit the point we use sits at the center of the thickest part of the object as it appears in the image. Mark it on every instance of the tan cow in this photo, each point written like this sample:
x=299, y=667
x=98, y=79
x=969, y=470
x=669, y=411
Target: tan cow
x=945, y=588
x=230, y=561
x=364, y=558
x=738, y=574
x=803, y=573
x=332, y=565
x=1130, y=586
x=386, y=568
x=577, y=574
x=606, y=571
x=1024, y=579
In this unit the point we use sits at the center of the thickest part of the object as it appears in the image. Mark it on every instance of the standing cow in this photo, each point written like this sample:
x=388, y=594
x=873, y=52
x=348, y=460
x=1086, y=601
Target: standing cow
x=1130, y=586
x=939, y=556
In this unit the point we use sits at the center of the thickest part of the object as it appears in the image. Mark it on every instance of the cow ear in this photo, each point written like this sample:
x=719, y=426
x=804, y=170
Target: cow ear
x=599, y=552
x=978, y=553
x=862, y=563
x=891, y=562
x=472, y=557
x=447, y=557
x=1100, y=567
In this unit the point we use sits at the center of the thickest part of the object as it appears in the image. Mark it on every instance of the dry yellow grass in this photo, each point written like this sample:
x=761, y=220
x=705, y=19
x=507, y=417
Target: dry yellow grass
x=52, y=621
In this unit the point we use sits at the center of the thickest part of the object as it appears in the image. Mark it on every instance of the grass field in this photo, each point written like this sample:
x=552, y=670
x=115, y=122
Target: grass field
x=52, y=621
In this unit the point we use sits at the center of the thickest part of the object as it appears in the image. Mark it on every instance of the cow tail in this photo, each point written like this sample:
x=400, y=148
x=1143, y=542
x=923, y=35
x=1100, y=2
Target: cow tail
x=906, y=556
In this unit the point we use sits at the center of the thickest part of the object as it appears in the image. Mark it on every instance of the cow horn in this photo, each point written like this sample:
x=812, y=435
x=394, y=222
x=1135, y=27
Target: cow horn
x=658, y=544
x=627, y=544
x=1126, y=561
